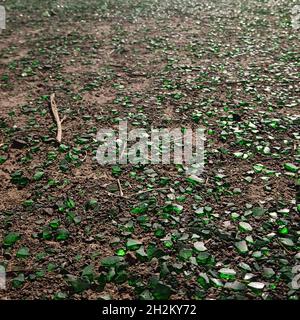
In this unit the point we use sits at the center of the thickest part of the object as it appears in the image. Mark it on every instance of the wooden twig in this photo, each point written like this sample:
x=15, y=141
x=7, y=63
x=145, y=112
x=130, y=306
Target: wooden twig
x=56, y=117
x=122, y=152
x=117, y=65
x=284, y=248
x=146, y=191
x=120, y=188
x=206, y=182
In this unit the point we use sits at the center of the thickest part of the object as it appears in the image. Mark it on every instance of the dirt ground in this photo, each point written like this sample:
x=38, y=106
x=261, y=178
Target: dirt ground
x=67, y=232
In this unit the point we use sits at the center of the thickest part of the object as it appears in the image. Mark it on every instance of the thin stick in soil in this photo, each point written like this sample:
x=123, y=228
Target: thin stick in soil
x=56, y=117
x=120, y=188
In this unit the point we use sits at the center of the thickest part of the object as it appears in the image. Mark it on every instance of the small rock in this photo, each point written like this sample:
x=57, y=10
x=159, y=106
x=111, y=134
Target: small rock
x=256, y=285
x=199, y=246
x=48, y=211
x=242, y=246
x=245, y=226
